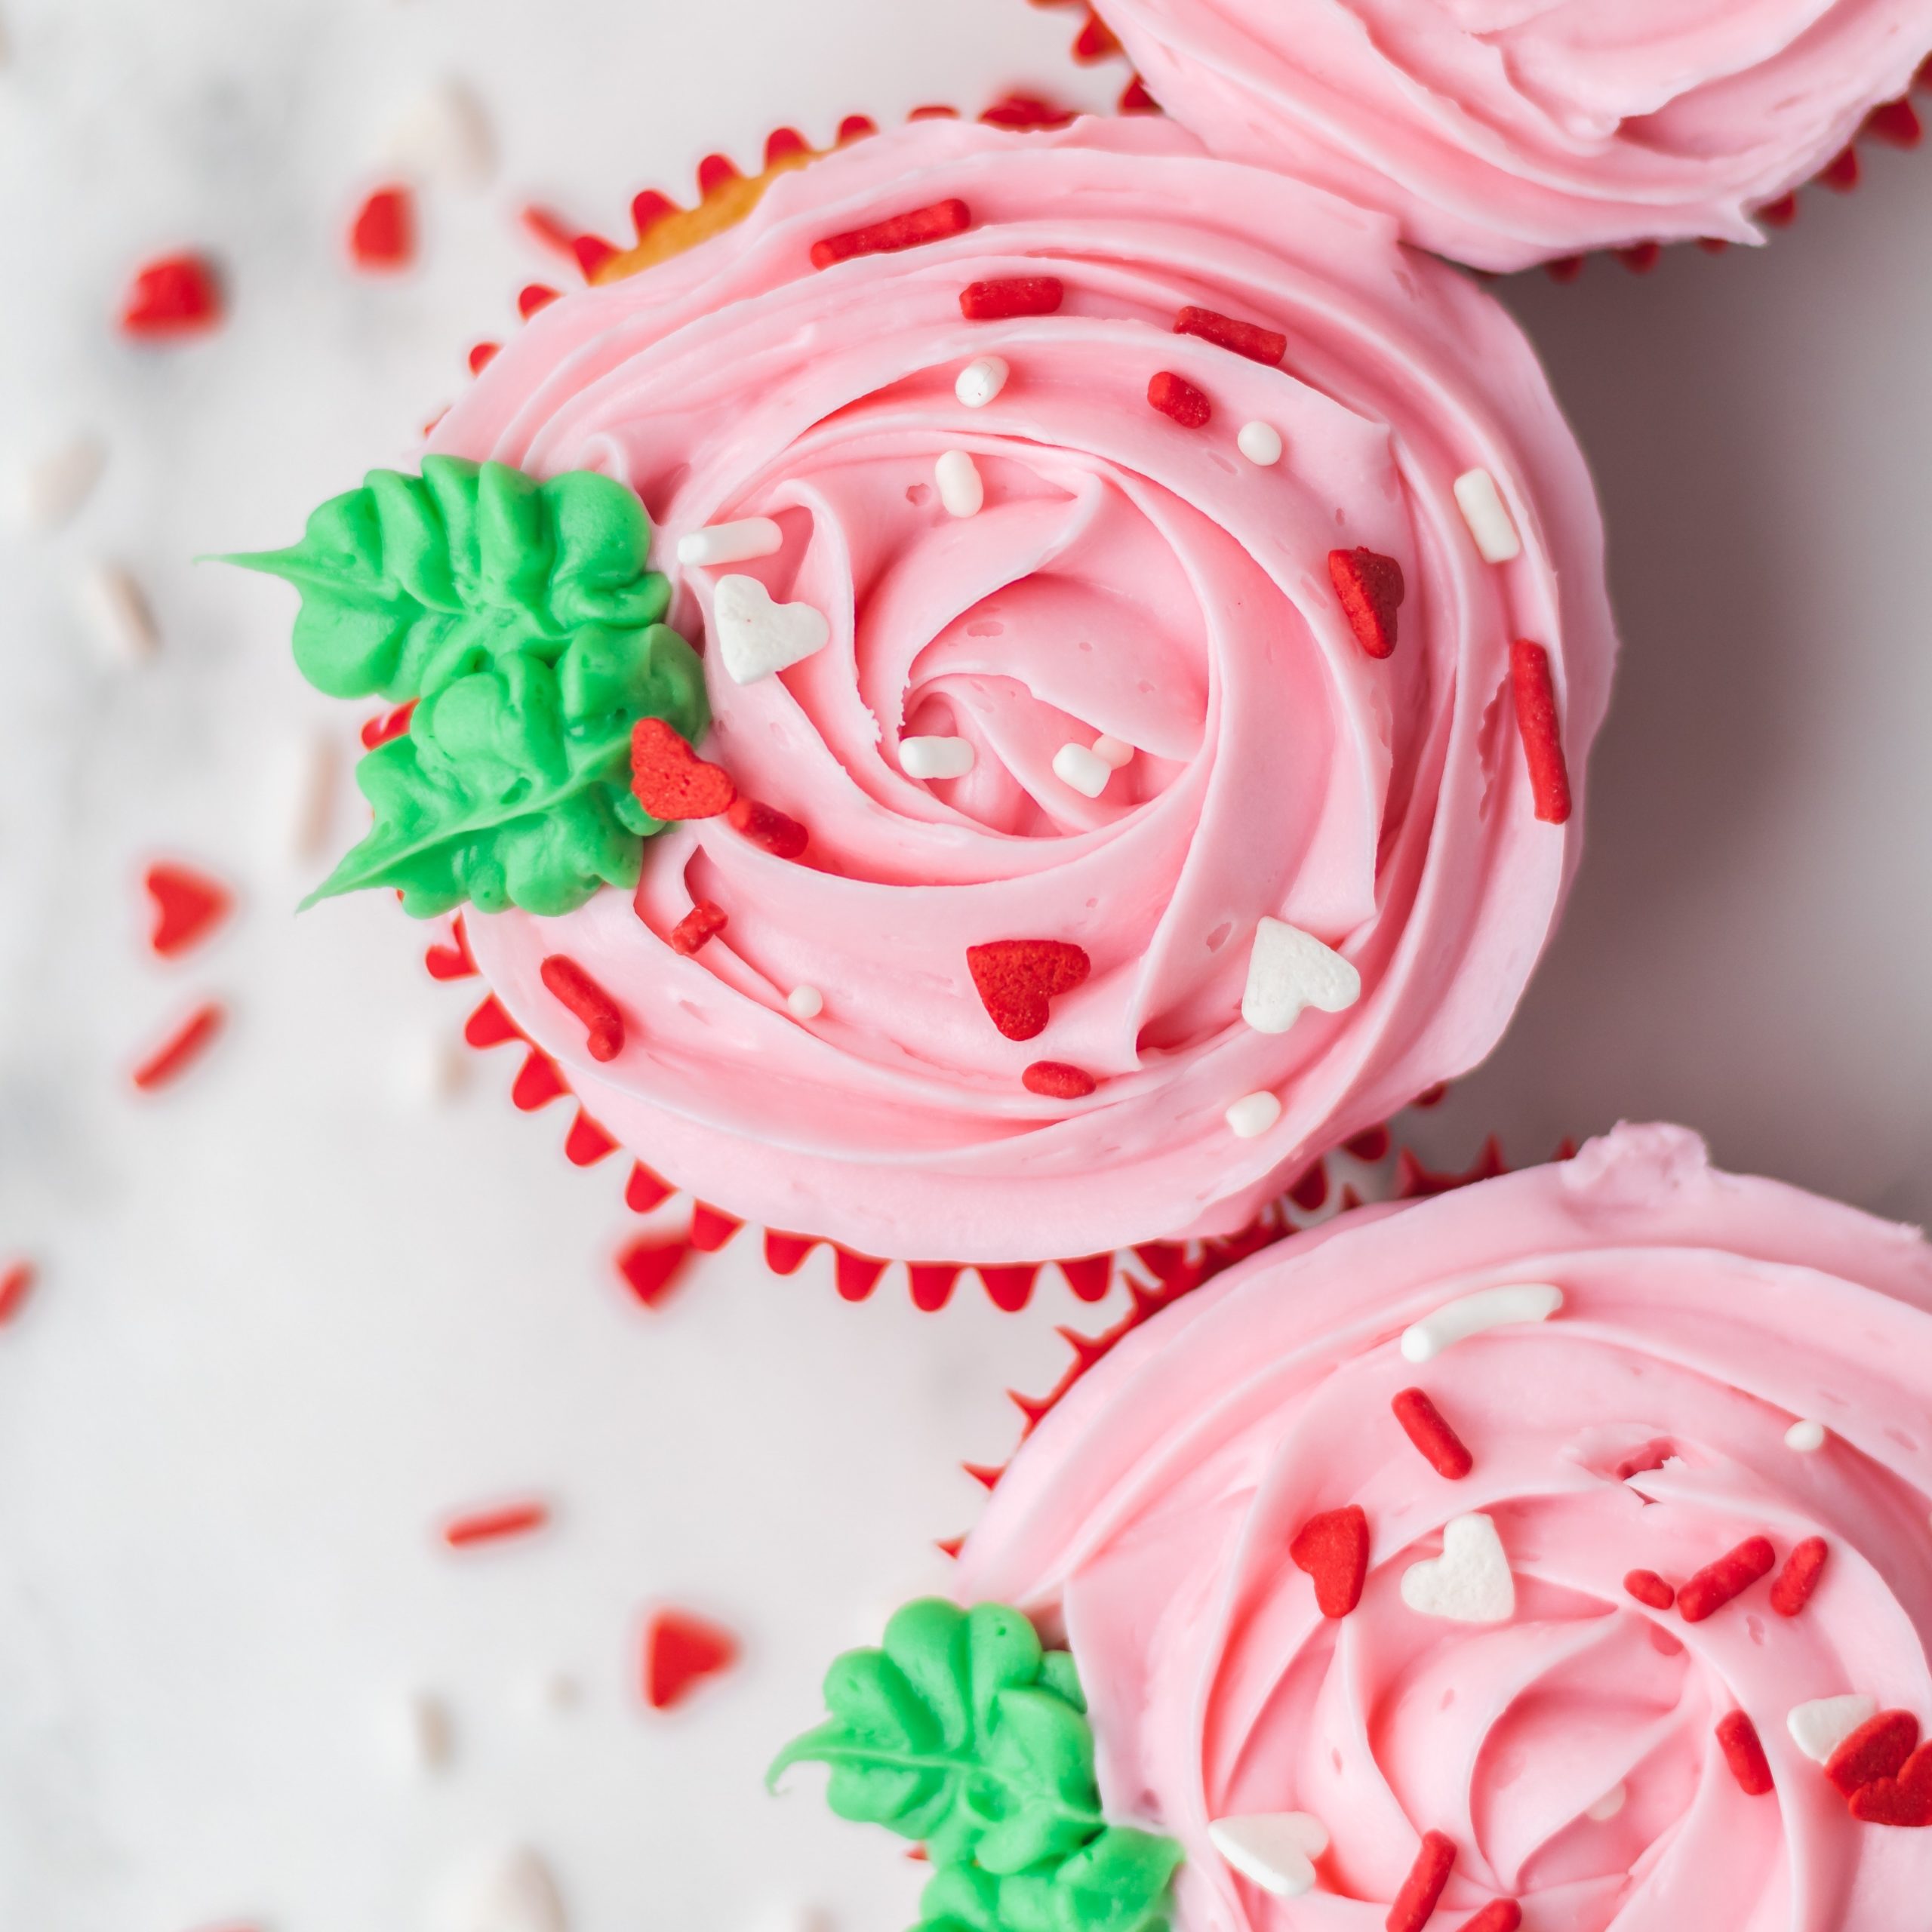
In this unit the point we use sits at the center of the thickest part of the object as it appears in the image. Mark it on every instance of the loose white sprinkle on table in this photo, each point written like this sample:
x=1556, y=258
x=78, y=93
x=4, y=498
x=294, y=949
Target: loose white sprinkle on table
x=1085, y=769
x=118, y=614
x=962, y=489
x=806, y=1002
x=1253, y=1115
x=731, y=543
x=1456, y=1321
x=298, y=797
x=443, y=136
x=1260, y=443
x=1115, y=753
x=1275, y=1849
x=1290, y=970
x=1820, y=1726
x=423, y=1734
x=1470, y=1582
x=936, y=757
x=1609, y=1804
x=47, y=490
x=1487, y=516
x=757, y=637
x=510, y=1892
x=980, y=381
x=1805, y=1437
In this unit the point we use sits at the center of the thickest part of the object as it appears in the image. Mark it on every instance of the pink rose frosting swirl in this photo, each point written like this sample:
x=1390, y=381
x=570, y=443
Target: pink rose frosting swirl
x=1568, y=1750
x=1506, y=132
x=1127, y=576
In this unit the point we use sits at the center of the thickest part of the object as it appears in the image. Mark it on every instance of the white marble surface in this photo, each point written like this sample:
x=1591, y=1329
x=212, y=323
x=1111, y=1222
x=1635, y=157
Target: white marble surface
x=294, y=1311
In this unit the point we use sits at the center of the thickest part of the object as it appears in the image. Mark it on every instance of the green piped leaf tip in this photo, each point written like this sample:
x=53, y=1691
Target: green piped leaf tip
x=960, y=1730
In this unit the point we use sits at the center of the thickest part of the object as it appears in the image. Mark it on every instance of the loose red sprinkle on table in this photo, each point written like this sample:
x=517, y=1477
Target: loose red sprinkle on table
x=1371, y=590
x=1248, y=338
x=1878, y=1748
x=1799, y=1577
x=1904, y=1800
x=499, y=1525
x=1421, y=1889
x=383, y=233
x=1018, y=295
x=1730, y=1576
x=698, y=928
x=1057, y=1081
x=1333, y=1548
x=1646, y=1586
x=188, y=906
x=1173, y=395
x=679, y=1650
x=1499, y=1915
x=896, y=231
x=179, y=1051
x=177, y=296
x=16, y=1284
x=1016, y=978
x=604, y=1024
x=1737, y=1737
x=765, y=826
x=1423, y=1423
x=1543, y=737
x=669, y=780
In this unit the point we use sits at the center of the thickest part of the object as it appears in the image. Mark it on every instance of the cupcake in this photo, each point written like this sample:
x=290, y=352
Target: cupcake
x=1553, y=1553
x=1504, y=136
x=999, y=708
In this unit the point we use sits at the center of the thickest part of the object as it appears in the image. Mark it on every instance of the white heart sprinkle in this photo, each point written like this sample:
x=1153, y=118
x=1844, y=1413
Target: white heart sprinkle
x=1807, y=1438
x=1470, y=1583
x=936, y=757
x=961, y=487
x=806, y=1002
x=1115, y=753
x=1488, y=517
x=1260, y=443
x=1290, y=970
x=731, y=543
x=1276, y=1850
x=1820, y=1726
x=1086, y=771
x=511, y=1893
x=1471, y=1314
x=1609, y=1804
x=1252, y=1114
x=758, y=637
x=980, y=381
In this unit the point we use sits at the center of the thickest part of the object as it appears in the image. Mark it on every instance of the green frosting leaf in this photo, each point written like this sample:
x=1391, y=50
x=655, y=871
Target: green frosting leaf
x=960, y=1730
x=521, y=619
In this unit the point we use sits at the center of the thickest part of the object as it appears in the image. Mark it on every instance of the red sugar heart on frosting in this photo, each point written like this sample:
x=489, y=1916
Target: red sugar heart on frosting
x=679, y=1650
x=1333, y=1548
x=1016, y=978
x=1905, y=1800
x=188, y=906
x=669, y=779
x=1877, y=1750
x=1371, y=589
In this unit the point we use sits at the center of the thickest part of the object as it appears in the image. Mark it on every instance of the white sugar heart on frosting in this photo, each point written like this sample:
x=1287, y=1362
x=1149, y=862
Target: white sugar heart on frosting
x=1470, y=1582
x=1083, y=769
x=1820, y=1726
x=1518, y=1303
x=1275, y=1850
x=1290, y=970
x=757, y=637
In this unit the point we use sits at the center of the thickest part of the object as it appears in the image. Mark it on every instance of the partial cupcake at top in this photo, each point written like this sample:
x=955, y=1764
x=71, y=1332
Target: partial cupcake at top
x=1554, y=1553
x=1152, y=626
x=1502, y=134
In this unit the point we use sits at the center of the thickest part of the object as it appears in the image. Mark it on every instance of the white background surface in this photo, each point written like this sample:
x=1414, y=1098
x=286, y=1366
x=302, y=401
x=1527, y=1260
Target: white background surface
x=294, y=1311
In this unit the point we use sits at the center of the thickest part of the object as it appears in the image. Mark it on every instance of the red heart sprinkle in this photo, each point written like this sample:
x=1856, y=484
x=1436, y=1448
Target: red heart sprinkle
x=698, y=928
x=1799, y=1577
x=1737, y=1737
x=1878, y=1748
x=603, y=1023
x=1015, y=979
x=1175, y=396
x=678, y=1651
x=783, y=837
x=1333, y=1548
x=1730, y=1576
x=896, y=231
x=669, y=779
x=1424, y=1425
x=383, y=233
x=1371, y=589
x=1018, y=295
x=176, y=295
x=1248, y=338
x=1057, y=1081
x=1646, y=1586
x=188, y=906
x=1543, y=734
x=1422, y=1888
x=1905, y=1800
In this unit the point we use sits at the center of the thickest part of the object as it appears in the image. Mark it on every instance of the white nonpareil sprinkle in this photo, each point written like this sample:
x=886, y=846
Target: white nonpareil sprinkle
x=962, y=489
x=757, y=637
x=423, y=1734
x=1275, y=1849
x=1115, y=753
x=1260, y=443
x=731, y=543
x=1520, y=1303
x=118, y=614
x=1470, y=1582
x=806, y=1002
x=980, y=381
x=1085, y=769
x=1609, y=1804
x=1487, y=516
x=936, y=757
x=47, y=490
x=443, y=136
x=1806, y=1438
x=510, y=1892
x=1290, y=970
x=1252, y=1114
x=1820, y=1726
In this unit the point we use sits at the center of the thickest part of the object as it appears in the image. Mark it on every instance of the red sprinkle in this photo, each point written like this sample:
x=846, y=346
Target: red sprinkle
x=783, y=837
x=1371, y=589
x=669, y=780
x=1543, y=736
x=1878, y=1748
x=188, y=906
x=1499, y=1915
x=1646, y=1586
x=1333, y=1548
x=1016, y=978
x=1057, y=1081
x=16, y=1284
x=482, y=1526
x=177, y=296
x=386, y=725
x=1731, y=1575
x=896, y=231
x=1421, y=1889
x=1423, y=1422
x=1175, y=396
x=698, y=928
x=679, y=1650
x=383, y=233
x=1906, y=1800
x=1737, y=1736
x=179, y=1051
x=1018, y=295
x=1799, y=1577
x=1248, y=338
x=604, y=1024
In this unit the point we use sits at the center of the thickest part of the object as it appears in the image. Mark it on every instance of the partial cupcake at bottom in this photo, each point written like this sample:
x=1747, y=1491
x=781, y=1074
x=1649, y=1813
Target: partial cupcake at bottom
x=1554, y=1553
